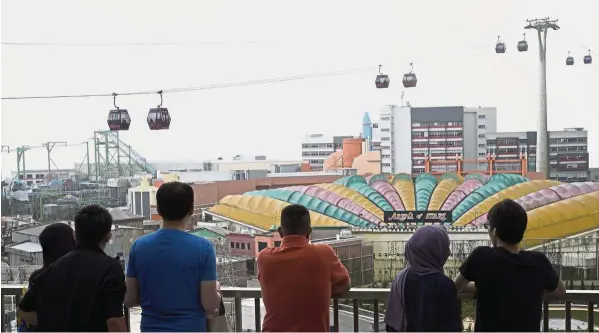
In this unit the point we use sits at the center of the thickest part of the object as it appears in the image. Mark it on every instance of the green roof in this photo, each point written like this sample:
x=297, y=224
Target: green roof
x=206, y=233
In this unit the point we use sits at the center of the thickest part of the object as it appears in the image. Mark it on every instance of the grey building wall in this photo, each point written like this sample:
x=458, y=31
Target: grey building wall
x=443, y=113
x=23, y=258
x=470, y=136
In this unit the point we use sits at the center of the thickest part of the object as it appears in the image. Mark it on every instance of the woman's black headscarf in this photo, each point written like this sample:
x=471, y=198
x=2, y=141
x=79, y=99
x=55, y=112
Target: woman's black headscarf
x=56, y=241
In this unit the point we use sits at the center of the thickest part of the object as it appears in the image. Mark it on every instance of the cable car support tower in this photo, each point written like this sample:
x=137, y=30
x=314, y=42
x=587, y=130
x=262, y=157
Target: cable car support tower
x=542, y=26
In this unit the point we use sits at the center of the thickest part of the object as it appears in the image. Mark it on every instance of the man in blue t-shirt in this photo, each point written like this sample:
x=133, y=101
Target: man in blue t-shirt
x=171, y=273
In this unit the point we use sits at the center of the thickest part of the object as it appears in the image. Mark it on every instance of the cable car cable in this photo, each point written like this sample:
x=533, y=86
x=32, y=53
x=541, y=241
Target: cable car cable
x=132, y=44
x=197, y=88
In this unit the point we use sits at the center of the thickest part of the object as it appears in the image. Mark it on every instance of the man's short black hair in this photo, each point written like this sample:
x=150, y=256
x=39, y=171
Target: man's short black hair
x=174, y=201
x=92, y=224
x=509, y=220
x=295, y=220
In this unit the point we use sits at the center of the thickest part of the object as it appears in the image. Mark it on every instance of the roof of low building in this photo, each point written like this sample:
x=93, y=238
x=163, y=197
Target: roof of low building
x=210, y=232
x=123, y=215
x=27, y=246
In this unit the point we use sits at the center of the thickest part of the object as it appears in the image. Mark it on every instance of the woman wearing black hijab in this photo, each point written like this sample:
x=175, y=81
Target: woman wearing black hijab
x=56, y=240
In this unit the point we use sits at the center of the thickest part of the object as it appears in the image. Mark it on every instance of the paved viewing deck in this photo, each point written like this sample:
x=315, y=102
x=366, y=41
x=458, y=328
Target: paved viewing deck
x=248, y=310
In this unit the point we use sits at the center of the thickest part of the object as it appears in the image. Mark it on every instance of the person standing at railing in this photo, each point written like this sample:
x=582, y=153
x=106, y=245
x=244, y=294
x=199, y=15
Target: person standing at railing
x=298, y=278
x=172, y=273
x=84, y=290
x=56, y=241
x=509, y=283
x=422, y=297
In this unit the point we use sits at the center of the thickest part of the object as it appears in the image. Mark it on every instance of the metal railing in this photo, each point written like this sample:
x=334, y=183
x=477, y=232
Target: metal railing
x=580, y=298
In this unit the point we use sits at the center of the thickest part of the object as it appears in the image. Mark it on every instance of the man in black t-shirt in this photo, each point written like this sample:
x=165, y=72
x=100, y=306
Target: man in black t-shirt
x=509, y=283
x=84, y=290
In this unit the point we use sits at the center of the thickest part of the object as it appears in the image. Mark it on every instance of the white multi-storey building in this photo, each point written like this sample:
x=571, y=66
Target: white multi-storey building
x=317, y=147
x=409, y=134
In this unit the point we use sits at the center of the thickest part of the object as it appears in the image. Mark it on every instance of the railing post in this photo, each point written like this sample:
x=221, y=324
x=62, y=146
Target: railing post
x=375, y=325
x=568, y=316
x=591, y=316
x=356, y=308
x=336, y=315
x=545, y=316
x=238, y=315
x=257, y=315
x=5, y=322
x=128, y=318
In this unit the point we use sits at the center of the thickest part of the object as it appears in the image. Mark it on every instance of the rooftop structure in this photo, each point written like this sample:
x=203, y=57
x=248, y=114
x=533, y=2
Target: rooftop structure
x=370, y=202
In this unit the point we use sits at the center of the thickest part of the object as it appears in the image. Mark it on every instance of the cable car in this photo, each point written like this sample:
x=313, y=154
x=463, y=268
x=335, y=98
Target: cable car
x=409, y=79
x=499, y=47
x=588, y=59
x=569, y=60
x=523, y=44
x=118, y=119
x=382, y=80
x=159, y=119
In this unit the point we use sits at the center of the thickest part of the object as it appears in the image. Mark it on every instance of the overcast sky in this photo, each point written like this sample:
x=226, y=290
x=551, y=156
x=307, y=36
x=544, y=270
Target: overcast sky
x=451, y=44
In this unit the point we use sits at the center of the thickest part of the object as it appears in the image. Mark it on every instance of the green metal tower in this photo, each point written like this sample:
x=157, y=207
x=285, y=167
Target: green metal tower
x=113, y=158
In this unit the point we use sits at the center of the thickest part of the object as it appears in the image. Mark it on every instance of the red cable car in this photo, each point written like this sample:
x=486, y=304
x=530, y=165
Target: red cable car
x=118, y=119
x=382, y=80
x=159, y=118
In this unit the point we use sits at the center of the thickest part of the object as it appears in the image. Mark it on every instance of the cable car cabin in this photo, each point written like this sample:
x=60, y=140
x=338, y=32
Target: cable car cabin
x=522, y=46
x=500, y=48
x=119, y=120
x=382, y=81
x=587, y=59
x=409, y=80
x=570, y=61
x=159, y=119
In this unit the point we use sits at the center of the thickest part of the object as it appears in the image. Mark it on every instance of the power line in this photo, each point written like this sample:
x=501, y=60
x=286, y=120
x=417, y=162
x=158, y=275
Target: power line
x=133, y=44
x=198, y=88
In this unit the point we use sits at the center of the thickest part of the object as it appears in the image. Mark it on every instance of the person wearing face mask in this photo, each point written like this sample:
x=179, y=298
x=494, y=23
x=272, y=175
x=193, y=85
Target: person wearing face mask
x=422, y=297
x=84, y=290
x=299, y=278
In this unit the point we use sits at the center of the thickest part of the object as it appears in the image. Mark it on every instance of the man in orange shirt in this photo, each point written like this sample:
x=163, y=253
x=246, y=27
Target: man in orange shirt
x=298, y=278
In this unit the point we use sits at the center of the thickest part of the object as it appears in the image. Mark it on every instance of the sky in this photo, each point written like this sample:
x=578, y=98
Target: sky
x=451, y=44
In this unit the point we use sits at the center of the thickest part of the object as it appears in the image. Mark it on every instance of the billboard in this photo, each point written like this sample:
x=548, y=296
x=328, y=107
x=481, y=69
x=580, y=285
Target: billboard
x=419, y=217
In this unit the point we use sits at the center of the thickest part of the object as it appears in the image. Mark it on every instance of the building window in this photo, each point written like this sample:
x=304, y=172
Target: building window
x=237, y=245
x=481, y=145
x=248, y=246
x=232, y=245
x=243, y=246
x=384, y=130
x=482, y=136
x=385, y=138
x=482, y=126
x=482, y=116
x=385, y=118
